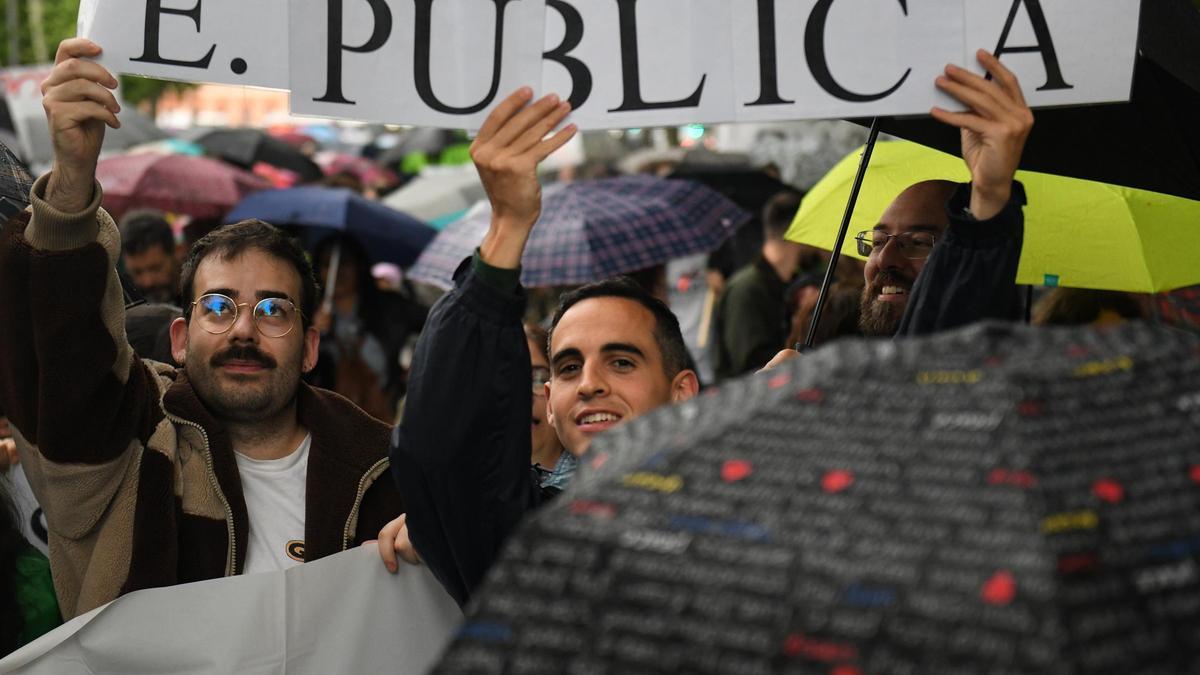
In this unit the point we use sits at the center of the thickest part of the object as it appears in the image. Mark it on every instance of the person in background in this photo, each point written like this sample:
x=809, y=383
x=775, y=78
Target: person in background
x=28, y=606
x=751, y=317
x=363, y=331
x=150, y=255
x=1081, y=306
x=555, y=467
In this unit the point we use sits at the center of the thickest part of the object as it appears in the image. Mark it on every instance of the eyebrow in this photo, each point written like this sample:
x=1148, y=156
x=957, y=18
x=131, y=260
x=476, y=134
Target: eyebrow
x=261, y=295
x=608, y=348
x=921, y=228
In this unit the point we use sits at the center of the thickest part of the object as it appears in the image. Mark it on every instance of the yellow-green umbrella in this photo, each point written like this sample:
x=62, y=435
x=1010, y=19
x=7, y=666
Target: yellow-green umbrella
x=1078, y=233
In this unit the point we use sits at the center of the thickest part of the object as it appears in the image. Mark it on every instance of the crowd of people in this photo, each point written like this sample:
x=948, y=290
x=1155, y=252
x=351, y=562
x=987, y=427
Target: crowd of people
x=209, y=411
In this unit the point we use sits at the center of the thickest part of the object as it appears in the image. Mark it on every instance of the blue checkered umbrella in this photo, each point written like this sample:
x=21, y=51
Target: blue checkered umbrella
x=592, y=230
x=15, y=183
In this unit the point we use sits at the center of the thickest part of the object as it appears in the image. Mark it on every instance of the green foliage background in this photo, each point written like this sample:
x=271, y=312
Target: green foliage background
x=58, y=23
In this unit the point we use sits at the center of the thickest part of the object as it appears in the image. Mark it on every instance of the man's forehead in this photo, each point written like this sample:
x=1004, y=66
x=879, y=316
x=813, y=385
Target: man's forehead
x=595, y=322
x=920, y=207
x=251, y=270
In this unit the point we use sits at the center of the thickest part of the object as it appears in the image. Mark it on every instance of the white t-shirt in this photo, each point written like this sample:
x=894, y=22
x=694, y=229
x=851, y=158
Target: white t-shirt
x=275, y=492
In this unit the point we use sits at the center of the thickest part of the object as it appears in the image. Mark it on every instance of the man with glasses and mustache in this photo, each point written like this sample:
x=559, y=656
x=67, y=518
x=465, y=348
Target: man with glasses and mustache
x=150, y=475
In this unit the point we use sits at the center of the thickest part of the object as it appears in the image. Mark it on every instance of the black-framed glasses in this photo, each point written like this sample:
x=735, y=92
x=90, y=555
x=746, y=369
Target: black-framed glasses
x=916, y=245
x=541, y=376
x=216, y=314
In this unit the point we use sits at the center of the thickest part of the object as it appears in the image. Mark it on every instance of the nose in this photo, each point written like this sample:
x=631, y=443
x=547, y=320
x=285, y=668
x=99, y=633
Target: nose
x=592, y=381
x=243, y=329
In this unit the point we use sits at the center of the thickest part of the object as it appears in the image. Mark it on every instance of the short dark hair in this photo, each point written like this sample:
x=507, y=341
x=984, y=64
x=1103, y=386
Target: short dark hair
x=666, y=327
x=779, y=212
x=145, y=229
x=231, y=241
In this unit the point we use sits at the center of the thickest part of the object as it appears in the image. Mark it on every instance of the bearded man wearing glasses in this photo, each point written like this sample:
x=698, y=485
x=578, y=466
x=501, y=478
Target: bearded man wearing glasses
x=148, y=475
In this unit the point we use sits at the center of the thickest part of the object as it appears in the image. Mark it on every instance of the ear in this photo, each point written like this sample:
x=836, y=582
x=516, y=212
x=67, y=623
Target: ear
x=312, y=342
x=549, y=408
x=685, y=385
x=179, y=340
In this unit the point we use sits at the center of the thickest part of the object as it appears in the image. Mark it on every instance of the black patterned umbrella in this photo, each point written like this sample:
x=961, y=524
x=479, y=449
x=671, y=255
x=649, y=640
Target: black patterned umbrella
x=1000, y=499
x=15, y=183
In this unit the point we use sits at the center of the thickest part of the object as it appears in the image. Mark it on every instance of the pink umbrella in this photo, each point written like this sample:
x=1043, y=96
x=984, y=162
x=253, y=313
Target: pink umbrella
x=197, y=186
x=367, y=171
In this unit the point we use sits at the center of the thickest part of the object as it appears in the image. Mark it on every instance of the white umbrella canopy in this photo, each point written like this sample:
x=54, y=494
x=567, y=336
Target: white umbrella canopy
x=437, y=191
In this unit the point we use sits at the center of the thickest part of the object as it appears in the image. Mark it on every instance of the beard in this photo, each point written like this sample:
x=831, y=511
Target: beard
x=878, y=318
x=247, y=401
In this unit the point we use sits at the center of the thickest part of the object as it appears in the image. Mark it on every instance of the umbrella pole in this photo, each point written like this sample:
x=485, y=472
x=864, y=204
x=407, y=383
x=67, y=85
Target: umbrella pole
x=1029, y=304
x=841, y=238
x=335, y=259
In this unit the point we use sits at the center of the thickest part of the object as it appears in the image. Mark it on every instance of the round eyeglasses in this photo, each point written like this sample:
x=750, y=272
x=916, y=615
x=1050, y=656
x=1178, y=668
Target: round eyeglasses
x=913, y=245
x=273, y=317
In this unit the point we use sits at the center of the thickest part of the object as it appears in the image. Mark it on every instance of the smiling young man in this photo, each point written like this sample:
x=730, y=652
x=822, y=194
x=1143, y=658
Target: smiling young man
x=150, y=475
x=461, y=452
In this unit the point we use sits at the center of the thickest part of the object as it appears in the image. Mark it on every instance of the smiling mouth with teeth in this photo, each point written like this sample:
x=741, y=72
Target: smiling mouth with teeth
x=598, y=418
x=893, y=290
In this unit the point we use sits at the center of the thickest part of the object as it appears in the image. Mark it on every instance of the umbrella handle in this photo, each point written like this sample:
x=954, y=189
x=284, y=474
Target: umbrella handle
x=841, y=238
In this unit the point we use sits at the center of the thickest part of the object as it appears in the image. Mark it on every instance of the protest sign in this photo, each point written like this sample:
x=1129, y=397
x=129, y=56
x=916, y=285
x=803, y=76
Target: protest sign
x=221, y=41
x=342, y=614
x=622, y=63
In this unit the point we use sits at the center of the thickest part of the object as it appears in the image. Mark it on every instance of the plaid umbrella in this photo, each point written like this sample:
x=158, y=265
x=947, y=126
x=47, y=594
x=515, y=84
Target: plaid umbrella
x=15, y=183
x=1000, y=499
x=592, y=230
x=197, y=186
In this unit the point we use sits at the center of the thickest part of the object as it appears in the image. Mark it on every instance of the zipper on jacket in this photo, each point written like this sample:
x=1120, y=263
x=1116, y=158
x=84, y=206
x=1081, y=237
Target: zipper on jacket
x=372, y=474
x=231, y=560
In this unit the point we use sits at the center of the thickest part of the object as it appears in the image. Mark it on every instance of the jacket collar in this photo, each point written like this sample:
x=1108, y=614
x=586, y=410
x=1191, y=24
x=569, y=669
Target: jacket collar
x=346, y=444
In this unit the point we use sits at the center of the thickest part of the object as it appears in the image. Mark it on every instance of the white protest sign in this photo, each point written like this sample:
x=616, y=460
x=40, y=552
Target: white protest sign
x=1090, y=62
x=636, y=73
x=419, y=61
x=622, y=63
x=342, y=614
x=852, y=58
x=221, y=41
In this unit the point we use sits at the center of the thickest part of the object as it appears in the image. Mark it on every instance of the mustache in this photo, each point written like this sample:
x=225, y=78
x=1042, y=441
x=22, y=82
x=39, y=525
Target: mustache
x=891, y=278
x=242, y=353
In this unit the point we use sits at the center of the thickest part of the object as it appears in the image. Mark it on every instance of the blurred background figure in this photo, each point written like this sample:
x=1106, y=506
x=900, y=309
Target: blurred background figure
x=363, y=330
x=751, y=318
x=555, y=467
x=150, y=255
x=148, y=328
x=1080, y=306
x=28, y=606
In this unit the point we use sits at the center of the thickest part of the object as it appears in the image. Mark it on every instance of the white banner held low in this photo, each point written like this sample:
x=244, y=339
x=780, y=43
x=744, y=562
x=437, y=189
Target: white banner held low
x=622, y=63
x=342, y=614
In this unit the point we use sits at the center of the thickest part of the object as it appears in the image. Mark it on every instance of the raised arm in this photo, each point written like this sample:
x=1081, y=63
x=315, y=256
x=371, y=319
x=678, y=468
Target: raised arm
x=972, y=273
x=74, y=392
x=461, y=453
